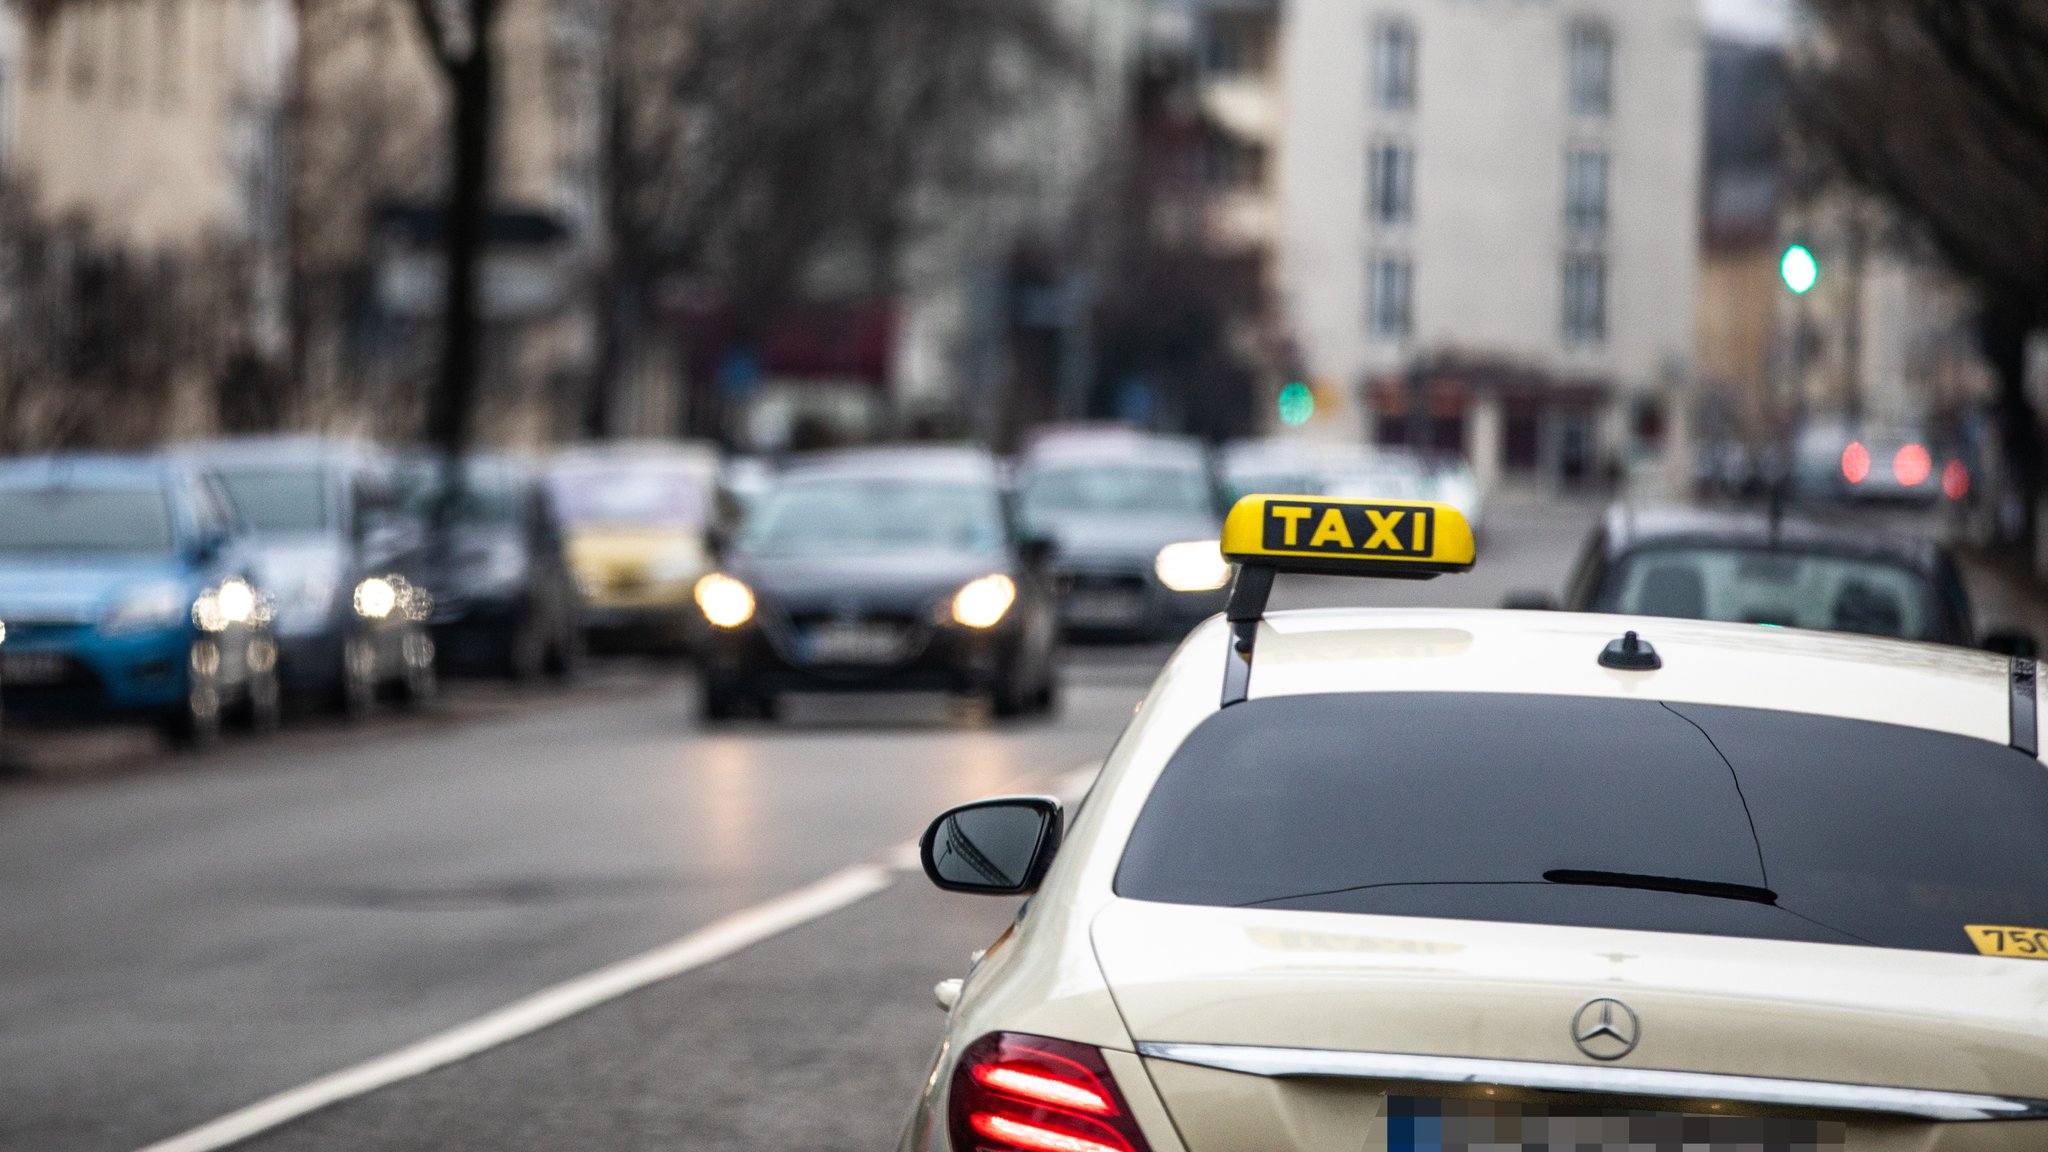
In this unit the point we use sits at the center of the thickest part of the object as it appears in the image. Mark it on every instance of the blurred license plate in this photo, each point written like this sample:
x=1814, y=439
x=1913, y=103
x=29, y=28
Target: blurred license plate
x=1104, y=608
x=854, y=644
x=20, y=668
x=1422, y=1124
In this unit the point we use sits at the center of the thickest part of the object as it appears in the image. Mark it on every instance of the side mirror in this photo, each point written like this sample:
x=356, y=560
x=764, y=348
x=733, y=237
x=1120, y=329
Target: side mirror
x=2012, y=642
x=1035, y=552
x=209, y=548
x=998, y=847
x=716, y=540
x=1530, y=602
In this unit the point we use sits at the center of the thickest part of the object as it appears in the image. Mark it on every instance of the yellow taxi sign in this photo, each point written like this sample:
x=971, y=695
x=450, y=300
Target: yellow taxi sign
x=2001, y=940
x=1412, y=539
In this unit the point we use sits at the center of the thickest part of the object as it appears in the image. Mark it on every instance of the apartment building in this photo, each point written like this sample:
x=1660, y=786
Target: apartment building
x=1482, y=214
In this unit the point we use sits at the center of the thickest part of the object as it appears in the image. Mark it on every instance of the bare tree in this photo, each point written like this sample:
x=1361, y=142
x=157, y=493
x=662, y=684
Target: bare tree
x=754, y=142
x=1940, y=108
x=459, y=36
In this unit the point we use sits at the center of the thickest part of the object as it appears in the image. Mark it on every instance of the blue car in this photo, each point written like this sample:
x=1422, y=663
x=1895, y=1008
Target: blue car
x=127, y=595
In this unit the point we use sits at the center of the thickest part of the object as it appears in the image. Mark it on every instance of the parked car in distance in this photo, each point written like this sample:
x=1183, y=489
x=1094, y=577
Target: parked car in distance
x=339, y=559
x=1134, y=522
x=1901, y=465
x=504, y=601
x=637, y=517
x=1748, y=567
x=880, y=570
x=128, y=596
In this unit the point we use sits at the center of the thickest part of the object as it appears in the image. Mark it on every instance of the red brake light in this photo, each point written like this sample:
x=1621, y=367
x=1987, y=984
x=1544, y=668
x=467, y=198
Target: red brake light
x=1855, y=462
x=1018, y=1093
x=1955, y=480
x=1911, y=466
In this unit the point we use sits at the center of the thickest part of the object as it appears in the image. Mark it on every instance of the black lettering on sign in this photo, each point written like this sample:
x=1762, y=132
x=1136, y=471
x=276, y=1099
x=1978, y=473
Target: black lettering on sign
x=1349, y=529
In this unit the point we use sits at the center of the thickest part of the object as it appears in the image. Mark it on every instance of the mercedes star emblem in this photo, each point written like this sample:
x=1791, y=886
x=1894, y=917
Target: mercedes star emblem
x=1606, y=1029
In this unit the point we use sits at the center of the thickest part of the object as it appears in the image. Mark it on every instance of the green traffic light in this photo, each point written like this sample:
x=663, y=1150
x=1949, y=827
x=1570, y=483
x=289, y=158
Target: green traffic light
x=1799, y=269
x=1297, y=404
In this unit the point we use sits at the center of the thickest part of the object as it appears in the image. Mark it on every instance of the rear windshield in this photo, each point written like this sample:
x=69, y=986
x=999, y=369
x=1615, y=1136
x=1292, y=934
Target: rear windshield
x=106, y=521
x=637, y=495
x=1598, y=813
x=1768, y=586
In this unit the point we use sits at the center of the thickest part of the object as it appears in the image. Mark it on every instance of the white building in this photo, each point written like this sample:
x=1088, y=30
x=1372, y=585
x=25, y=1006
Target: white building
x=1492, y=204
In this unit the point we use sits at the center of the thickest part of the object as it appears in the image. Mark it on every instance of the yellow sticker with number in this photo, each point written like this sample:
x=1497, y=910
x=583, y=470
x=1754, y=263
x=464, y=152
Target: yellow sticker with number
x=1997, y=940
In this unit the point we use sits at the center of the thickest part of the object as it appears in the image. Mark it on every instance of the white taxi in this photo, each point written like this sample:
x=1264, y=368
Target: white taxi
x=1407, y=880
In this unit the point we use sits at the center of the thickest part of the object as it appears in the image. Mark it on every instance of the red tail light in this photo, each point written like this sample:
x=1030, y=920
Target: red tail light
x=1955, y=480
x=1017, y=1093
x=1855, y=462
x=1912, y=465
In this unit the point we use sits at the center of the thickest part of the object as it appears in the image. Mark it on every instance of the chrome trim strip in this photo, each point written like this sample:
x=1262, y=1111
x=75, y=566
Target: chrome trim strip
x=1922, y=1103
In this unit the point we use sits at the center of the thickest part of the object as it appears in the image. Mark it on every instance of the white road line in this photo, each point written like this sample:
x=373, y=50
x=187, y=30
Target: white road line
x=714, y=942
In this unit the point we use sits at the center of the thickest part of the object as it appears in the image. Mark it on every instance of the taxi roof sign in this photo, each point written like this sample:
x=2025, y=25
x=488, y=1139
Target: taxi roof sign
x=1389, y=539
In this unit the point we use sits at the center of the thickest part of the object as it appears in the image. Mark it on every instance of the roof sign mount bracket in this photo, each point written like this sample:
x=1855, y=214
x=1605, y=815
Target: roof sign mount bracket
x=1631, y=653
x=2026, y=723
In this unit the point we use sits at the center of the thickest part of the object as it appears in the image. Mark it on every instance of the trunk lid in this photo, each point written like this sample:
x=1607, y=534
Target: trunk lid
x=1339, y=983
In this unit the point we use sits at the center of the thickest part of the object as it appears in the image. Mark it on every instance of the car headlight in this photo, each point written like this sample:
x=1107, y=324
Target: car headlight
x=232, y=602
x=376, y=598
x=725, y=602
x=982, y=603
x=1193, y=566
x=150, y=607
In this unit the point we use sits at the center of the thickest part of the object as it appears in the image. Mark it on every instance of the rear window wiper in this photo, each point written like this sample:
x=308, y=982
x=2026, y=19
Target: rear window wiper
x=1678, y=884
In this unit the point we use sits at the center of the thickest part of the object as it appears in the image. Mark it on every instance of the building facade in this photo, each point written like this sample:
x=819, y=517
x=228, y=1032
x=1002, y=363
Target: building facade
x=1483, y=214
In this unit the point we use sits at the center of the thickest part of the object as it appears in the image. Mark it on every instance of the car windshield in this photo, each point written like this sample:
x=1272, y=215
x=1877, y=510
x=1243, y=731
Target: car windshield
x=1628, y=814
x=838, y=515
x=1114, y=489
x=278, y=501
x=1773, y=586
x=115, y=521
x=628, y=494
x=489, y=496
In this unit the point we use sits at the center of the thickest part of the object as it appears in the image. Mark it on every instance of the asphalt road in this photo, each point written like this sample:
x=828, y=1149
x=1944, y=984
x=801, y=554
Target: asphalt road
x=182, y=937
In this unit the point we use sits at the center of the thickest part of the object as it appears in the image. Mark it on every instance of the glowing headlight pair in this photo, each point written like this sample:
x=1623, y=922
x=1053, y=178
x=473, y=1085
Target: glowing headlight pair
x=982, y=603
x=1194, y=566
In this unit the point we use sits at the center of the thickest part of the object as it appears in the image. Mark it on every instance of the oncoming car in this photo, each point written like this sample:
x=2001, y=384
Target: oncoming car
x=880, y=570
x=1361, y=879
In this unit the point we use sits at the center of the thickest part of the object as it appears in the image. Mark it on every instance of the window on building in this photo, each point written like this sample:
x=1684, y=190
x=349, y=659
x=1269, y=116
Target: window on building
x=1232, y=164
x=170, y=50
x=1585, y=189
x=1592, y=69
x=1390, y=291
x=1238, y=44
x=1393, y=66
x=84, y=29
x=1390, y=177
x=1585, y=298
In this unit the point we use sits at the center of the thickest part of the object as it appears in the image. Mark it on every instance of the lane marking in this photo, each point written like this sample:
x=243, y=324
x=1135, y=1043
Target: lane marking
x=551, y=1006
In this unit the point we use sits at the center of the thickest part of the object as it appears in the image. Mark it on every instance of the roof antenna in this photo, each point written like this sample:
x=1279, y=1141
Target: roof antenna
x=1631, y=654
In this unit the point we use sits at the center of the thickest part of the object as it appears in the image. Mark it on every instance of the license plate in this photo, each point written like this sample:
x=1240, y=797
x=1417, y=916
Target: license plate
x=854, y=644
x=24, y=668
x=1421, y=1124
x=1104, y=609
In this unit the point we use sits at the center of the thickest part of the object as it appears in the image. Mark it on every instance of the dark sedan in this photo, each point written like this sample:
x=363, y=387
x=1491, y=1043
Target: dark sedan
x=880, y=570
x=1134, y=520
x=1757, y=569
x=504, y=600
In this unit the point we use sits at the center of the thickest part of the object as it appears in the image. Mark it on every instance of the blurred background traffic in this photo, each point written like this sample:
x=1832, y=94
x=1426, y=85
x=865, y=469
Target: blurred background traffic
x=444, y=338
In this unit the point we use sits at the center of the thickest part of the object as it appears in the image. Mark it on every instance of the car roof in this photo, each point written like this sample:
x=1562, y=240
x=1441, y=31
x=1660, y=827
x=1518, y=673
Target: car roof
x=1629, y=528
x=280, y=449
x=1112, y=444
x=139, y=471
x=906, y=461
x=698, y=453
x=1315, y=651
